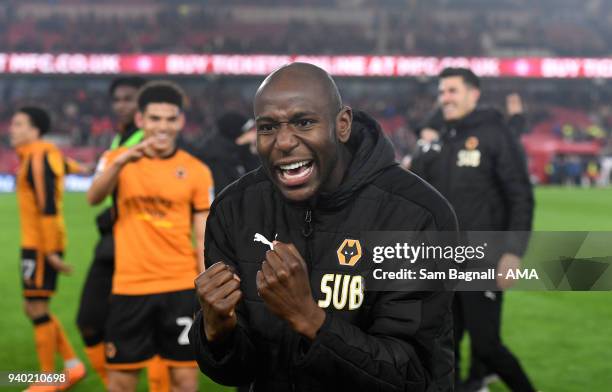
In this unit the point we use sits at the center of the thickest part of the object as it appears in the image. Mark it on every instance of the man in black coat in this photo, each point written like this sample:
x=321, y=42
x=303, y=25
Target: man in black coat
x=479, y=166
x=283, y=307
x=227, y=160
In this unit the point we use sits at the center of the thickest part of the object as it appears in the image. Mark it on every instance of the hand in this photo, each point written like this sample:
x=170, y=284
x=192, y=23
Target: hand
x=514, y=104
x=507, y=262
x=218, y=290
x=284, y=286
x=429, y=135
x=134, y=153
x=406, y=162
x=87, y=169
x=58, y=264
x=249, y=137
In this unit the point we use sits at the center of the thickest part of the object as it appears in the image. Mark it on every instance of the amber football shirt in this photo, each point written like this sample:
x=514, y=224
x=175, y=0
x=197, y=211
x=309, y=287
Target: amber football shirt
x=155, y=199
x=40, y=190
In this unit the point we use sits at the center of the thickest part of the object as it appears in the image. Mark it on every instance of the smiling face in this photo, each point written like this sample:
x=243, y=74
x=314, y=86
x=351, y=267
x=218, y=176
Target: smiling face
x=299, y=131
x=161, y=122
x=456, y=98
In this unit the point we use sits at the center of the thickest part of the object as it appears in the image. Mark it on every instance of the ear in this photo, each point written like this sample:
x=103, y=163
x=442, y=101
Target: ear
x=475, y=93
x=35, y=133
x=139, y=119
x=344, y=121
x=181, y=121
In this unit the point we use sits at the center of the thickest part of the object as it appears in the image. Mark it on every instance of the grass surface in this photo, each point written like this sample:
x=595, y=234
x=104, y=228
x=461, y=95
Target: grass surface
x=563, y=339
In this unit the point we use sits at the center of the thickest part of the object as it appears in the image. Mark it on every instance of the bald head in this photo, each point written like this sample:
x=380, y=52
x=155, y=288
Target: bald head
x=301, y=121
x=304, y=77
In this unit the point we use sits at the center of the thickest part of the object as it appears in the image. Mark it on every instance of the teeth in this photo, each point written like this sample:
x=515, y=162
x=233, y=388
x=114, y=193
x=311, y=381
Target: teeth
x=293, y=166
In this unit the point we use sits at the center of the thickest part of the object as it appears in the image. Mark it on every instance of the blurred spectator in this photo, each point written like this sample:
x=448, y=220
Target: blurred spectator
x=227, y=159
x=401, y=105
x=606, y=164
x=434, y=27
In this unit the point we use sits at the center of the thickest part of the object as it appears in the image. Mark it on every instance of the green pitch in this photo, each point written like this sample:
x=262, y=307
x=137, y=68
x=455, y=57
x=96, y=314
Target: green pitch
x=562, y=339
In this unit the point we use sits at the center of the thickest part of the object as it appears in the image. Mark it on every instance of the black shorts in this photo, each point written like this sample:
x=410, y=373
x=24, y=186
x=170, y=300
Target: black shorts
x=141, y=326
x=38, y=277
x=95, y=297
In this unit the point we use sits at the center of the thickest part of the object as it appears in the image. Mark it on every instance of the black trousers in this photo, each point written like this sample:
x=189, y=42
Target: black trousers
x=479, y=313
x=95, y=297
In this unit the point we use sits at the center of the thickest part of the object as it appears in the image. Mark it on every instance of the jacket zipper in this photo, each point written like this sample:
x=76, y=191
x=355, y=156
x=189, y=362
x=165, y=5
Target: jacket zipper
x=306, y=232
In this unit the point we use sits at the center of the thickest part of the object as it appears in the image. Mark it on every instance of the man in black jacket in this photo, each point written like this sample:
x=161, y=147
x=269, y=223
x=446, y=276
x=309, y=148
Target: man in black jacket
x=479, y=166
x=290, y=322
x=227, y=160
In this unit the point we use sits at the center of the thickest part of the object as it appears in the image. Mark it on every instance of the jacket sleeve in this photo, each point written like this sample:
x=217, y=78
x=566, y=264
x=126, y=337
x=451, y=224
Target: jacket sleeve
x=517, y=123
x=424, y=160
x=425, y=153
x=232, y=362
x=393, y=354
x=513, y=177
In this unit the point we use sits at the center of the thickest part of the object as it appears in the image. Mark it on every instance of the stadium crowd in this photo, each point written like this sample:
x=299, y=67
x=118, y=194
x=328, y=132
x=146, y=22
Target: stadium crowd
x=575, y=111
x=82, y=116
x=440, y=27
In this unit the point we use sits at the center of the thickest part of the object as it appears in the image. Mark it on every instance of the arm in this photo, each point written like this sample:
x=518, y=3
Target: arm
x=105, y=181
x=517, y=122
x=512, y=174
x=423, y=161
x=513, y=177
x=74, y=167
x=221, y=352
x=199, y=226
x=428, y=144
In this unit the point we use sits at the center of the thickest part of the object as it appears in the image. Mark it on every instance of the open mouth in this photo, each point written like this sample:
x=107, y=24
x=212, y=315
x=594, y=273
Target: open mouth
x=161, y=137
x=295, y=173
x=161, y=140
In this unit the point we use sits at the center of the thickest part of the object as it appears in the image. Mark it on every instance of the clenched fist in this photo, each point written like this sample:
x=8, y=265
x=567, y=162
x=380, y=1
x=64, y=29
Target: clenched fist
x=284, y=285
x=218, y=291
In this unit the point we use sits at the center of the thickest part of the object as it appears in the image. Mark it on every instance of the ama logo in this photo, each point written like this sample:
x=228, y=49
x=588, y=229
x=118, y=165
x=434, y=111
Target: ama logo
x=349, y=252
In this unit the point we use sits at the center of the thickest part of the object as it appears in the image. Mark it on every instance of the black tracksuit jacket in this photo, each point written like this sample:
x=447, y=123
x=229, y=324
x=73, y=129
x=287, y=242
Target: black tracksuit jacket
x=396, y=341
x=481, y=170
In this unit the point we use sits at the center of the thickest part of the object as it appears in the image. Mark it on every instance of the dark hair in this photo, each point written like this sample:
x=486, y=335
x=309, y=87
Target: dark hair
x=38, y=117
x=466, y=74
x=130, y=81
x=161, y=91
